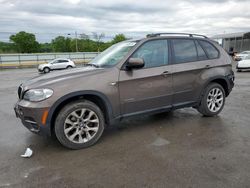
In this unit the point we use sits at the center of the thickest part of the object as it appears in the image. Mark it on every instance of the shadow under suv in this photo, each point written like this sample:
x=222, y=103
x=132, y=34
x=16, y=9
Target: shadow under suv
x=161, y=72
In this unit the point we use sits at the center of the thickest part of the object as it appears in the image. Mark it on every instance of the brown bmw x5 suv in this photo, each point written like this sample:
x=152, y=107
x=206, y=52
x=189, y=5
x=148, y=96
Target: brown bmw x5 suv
x=162, y=72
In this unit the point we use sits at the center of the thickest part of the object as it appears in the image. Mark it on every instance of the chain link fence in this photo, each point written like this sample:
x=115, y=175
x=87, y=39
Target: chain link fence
x=33, y=60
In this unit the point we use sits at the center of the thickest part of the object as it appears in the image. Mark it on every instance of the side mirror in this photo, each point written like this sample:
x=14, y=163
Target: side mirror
x=135, y=63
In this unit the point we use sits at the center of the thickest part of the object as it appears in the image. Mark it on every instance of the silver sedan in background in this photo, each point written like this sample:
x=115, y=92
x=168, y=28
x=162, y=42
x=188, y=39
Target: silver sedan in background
x=56, y=64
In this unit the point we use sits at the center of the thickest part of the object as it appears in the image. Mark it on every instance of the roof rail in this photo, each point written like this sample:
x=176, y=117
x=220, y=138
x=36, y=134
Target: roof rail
x=188, y=34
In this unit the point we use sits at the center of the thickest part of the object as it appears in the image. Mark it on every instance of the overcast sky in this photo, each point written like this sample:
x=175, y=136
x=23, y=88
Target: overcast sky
x=49, y=18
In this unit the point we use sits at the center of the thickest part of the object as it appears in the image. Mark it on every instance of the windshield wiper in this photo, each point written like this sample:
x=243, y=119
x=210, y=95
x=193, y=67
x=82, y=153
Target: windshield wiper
x=92, y=65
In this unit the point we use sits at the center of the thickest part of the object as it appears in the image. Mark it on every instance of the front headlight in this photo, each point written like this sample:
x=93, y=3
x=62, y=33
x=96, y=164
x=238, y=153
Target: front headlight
x=36, y=95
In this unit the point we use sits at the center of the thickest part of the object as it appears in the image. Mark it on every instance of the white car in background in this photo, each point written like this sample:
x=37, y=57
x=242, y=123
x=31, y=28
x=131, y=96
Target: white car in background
x=241, y=55
x=56, y=64
x=243, y=64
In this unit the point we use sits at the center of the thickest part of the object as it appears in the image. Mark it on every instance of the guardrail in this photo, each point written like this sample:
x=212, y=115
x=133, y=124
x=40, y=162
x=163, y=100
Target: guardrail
x=33, y=60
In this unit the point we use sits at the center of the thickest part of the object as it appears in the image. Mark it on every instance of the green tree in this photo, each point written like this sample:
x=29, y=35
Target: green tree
x=118, y=38
x=6, y=47
x=46, y=47
x=61, y=44
x=25, y=42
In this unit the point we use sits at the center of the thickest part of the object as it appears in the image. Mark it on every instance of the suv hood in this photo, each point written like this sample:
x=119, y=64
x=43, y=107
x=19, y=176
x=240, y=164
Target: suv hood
x=58, y=76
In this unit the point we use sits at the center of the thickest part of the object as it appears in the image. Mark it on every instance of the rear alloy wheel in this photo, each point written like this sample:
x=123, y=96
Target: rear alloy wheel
x=79, y=125
x=46, y=70
x=213, y=100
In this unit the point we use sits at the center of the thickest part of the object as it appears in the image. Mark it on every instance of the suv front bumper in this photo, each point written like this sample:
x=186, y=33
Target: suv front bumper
x=40, y=70
x=33, y=118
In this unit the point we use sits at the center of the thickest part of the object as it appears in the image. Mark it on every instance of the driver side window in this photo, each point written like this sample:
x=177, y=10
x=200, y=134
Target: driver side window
x=55, y=62
x=154, y=53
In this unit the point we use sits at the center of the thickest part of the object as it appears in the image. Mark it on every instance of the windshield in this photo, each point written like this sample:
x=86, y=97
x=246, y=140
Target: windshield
x=53, y=61
x=248, y=57
x=113, y=54
x=246, y=52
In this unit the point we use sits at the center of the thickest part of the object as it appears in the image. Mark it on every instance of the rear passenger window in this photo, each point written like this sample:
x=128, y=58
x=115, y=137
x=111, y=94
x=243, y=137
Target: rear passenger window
x=200, y=52
x=62, y=61
x=184, y=50
x=212, y=52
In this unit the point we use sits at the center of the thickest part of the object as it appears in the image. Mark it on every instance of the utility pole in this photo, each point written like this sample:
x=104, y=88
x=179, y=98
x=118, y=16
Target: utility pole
x=76, y=41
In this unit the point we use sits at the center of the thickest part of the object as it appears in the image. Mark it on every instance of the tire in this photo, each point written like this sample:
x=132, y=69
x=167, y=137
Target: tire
x=46, y=69
x=69, y=67
x=71, y=125
x=208, y=100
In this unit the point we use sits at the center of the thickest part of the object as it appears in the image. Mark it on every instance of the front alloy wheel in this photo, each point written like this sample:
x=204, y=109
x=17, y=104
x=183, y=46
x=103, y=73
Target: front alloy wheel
x=46, y=70
x=79, y=124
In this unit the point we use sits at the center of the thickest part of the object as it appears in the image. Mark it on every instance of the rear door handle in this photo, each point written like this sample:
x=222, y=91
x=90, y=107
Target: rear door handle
x=165, y=73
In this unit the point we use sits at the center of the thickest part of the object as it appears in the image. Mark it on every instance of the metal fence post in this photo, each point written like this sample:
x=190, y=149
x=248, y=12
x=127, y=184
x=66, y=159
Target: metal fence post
x=37, y=62
x=1, y=63
x=19, y=60
x=83, y=55
x=84, y=58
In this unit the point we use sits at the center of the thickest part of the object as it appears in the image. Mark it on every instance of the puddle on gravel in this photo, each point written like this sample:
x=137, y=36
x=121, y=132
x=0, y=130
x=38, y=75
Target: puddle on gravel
x=160, y=142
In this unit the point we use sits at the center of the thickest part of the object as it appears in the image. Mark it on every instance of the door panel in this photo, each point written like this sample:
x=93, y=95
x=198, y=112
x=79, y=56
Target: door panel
x=145, y=89
x=186, y=78
x=55, y=64
x=60, y=64
x=189, y=60
x=150, y=87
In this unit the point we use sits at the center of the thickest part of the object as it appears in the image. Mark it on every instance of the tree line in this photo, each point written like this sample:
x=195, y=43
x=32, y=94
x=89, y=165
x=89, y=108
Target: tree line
x=24, y=42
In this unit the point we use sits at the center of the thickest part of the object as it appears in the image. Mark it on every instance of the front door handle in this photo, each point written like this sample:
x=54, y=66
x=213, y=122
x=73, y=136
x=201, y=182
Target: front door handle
x=207, y=66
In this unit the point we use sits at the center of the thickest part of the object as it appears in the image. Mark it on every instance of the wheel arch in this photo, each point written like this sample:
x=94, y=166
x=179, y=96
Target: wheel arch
x=220, y=80
x=96, y=97
x=46, y=67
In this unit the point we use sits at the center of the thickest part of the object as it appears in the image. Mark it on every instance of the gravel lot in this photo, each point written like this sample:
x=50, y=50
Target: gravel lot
x=177, y=149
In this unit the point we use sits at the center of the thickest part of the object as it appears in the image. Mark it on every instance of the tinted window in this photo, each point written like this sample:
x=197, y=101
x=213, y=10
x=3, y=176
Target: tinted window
x=154, y=53
x=210, y=49
x=62, y=61
x=184, y=50
x=200, y=52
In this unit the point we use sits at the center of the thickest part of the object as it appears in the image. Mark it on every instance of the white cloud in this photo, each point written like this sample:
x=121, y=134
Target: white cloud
x=48, y=18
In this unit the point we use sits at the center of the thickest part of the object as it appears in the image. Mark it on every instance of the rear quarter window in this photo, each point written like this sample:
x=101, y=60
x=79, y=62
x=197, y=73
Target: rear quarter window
x=200, y=52
x=211, y=51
